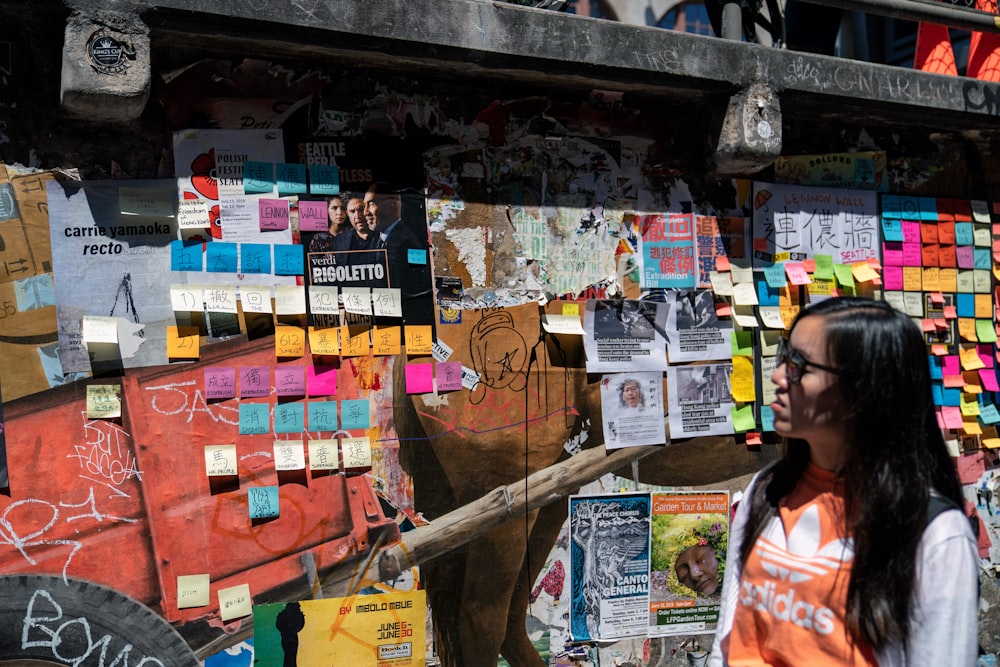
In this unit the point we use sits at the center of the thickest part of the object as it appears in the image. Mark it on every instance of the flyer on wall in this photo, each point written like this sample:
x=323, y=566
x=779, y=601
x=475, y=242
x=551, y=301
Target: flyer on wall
x=609, y=566
x=694, y=331
x=624, y=335
x=632, y=409
x=689, y=538
x=700, y=400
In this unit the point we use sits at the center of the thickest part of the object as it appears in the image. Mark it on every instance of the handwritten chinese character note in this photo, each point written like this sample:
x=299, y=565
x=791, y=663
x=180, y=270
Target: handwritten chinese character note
x=104, y=401
x=235, y=602
x=220, y=460
x=357, y=453
x=192, y=590
x=289, y=455
x=324, y=455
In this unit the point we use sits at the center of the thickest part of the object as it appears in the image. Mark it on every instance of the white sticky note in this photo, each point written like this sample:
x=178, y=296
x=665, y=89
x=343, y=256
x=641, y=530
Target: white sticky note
x=357, y=452
x=146, y=202
x=357, y=300
x=220, y=298
x=289, y=300
x=289, y=455
x=324, y=455
x=387, y=302
x=100, y=329
x=563, y=324
x=192, y=214
x=220, y=461
x=323, y=300
x=185, y=298
x=192, y=590
x=745, y=294
x=256, y=298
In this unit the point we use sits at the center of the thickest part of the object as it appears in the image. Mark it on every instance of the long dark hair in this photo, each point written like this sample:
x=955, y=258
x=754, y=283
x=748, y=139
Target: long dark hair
x=894, y=457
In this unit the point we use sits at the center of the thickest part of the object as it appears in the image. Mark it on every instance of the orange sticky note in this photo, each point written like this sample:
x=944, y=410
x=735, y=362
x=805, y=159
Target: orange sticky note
x=863, y=272
x=324, y=341
x=385, y=341
x=419, y=339
x=970, y=359
x=356, y=343
x=289, y=341
x=984, y=306
x=932, y=279
x=183, y=343
x=912, y=278
x=967, y=329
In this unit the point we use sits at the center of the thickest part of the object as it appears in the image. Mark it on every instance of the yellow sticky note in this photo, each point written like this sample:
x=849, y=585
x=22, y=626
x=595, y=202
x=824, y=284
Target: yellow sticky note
x=970, y=359
x=931, y=279
x=984, y=306
x=235, y=602
x=949, y=280
x=220, y=460
x=324, y=455
x=912, y=276
x=571, y=309
x=183, y=343
x=969, y=404
x=354, y=342
x=971, y=427
x=104, y=401
x=743, y=419
x=357, y=452
x=967, y=329
x=192, y=590
x=385, y=340
x=863, y=272
x=324, y=341
x=419, y=339
x=289, y=341
x=741, y=380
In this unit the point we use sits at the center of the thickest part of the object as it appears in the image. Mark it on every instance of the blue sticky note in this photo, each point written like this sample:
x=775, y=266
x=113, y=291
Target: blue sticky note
x=935, y=365
x=289, y=418
x=263, y=501
x=937, y=393
x=892, y=229
x=187, y=256
x=255, y=258
x=255, y=418
x=952, y=396
x=258, y=177
x=766, y=295
x=988, y=413
x=909, y=208
x=774, y=274
x=965, y=305
x=891, y=207
x=221, y=257
x=766, y=418
x=982, y=258
x=928, y=208
x=416, y=256
x=291, y=178
x=322, y=415
x=354, y=414
x=324, y=179
x=288, y=260
x=963, y=233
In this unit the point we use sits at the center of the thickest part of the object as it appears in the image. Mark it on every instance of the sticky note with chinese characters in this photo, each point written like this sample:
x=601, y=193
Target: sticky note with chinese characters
x=289, y=341
x=354, y=414
x=289, y=300
x=183, y=342
x=256, y=299
x=104, y=401
x=357, y=300
x=324, y=179
x=220, y=460
x=291, y=178
x=220, y=382
x=255, y=381
x=354, y=341
x=192, y=590
x=289, y=455
x=357, y=453
x=289, y=418
x=255, y=418
x=322, y=415
x=419, y=339
x=449, y=376
x=258, y=177
x=324, y=342
x=385, y=340
x=323, y=300
x=220, y=257
x=220, y=298
x=386, y=302
x=255, y=258
x=288, y=260
x=324, y=455
x=290, y=380
x=235, y=601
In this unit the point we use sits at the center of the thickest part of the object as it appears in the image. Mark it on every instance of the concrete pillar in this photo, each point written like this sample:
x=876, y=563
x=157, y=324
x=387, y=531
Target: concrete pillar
x=750, y=137
x=105, y=66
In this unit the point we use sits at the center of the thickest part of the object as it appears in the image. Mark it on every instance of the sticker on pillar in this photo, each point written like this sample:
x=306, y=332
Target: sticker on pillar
x=108, y=55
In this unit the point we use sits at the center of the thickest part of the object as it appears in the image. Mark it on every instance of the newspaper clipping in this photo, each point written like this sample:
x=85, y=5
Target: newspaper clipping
x=609, y=566
x=625, y=335
x=701, y=400
x=689, y=537
x=632, y=409
x=694, y=331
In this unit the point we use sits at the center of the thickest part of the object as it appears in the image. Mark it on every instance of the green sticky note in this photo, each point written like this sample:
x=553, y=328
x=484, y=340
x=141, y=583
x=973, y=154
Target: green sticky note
x=743, y=419
x=845, y=278
x=824, y=267
x=985, y=331
x=742, y=343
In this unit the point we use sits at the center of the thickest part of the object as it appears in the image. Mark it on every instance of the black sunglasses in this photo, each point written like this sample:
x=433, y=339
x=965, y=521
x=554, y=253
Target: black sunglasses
x=795, y=363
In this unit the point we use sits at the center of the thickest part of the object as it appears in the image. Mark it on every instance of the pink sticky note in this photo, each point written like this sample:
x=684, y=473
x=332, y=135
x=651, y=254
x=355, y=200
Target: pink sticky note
x=911, y=231
x=965, y=256
x=796, y=273
x=951, y=365
x=419, y=378
x=950, y=312
x=985, y=353
x=989, y=379
x=954, y=381
x=255, y=381
x=313, y=217
x=220, y=383
x=892, y=253
x=971, y=465
x=321, y=380
x=273, y=214
x=449, y=376
x=290, y=380
x=893, y=277
x=952, y=417
x=912, y=255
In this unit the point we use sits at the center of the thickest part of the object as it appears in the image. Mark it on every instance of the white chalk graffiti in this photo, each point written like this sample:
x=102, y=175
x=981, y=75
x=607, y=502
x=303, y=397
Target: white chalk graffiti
x=45, y=627
x=105, y=455
x=175, y=398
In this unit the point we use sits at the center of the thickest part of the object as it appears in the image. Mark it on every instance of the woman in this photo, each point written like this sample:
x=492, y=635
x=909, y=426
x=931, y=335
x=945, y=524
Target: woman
x=630, y=394
x=337, y=217
x=833, y=560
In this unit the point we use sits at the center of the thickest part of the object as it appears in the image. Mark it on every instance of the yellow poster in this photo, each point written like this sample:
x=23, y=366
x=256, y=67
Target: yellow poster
x=383, y=630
